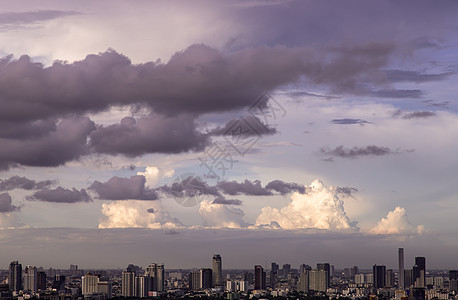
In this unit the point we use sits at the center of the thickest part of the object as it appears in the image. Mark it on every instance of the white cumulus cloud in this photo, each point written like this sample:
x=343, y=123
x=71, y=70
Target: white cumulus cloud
x=153, y=174
x=136, y=214
x=396, y=222
x=221, y=216
x=320, y=207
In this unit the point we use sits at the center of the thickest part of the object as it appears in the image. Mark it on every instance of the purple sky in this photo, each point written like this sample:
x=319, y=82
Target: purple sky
x=326, y=128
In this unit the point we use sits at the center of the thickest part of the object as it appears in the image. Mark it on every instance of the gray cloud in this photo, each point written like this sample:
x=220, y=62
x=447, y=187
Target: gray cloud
x=150, y=210
x=247, y=125
x=61, y=195
x=414, y=76
x=153, y=134
x=188, y=186
x=349, y=121
x=67, y=142
x=6, y=203
x=419, y=115
x=222, y=200
x=355, y=152
x=284, y=187
x=398, y=93
x=117, y=188
x=17, y=19
x=247, y=187
x=346, y=190
x=18, y=182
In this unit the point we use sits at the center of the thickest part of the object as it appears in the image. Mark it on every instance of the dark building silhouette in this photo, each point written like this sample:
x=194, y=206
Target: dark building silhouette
x=259, y=278
x=379, y=274
x=453, y=274
x=15, y=278
x=274, y=274
x=206, y=280
x=402, y=284
x=419, y=272
x=41, y=280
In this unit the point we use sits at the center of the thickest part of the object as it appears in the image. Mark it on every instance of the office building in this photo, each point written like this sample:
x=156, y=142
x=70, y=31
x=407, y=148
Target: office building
x=354, y=271
x=41, y=281
x=419, y=272
x=206, y=278
x=89, y=284
x=259, y=278
x=379, y=275
x=30, y=279
x=325, y=267
x=285, y=270
x=401, y=268
x=15, y=278
x=217, y=270
x=157, y=272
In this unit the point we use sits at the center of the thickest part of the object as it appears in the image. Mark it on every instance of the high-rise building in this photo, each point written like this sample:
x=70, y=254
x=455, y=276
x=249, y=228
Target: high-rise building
x=194, y=280
x=15, y=278
x=359, y=279
x=259, y=278
x=143, y=284
x=41, y=281
x=206, y=279
x=30, y=279
x=401, y=268
x=128, y=283
x=285, y=270
x=408, y=278
x=354, y=271
x=318, y=280
x=325, y=267
x=419, y=272
x=379, y=273
x=303, y=285
x=389, y=282
x=273, y=275
x=157, y=272
x=217, y=270
x=105, y=288
x=59, y=282
x=89, y=284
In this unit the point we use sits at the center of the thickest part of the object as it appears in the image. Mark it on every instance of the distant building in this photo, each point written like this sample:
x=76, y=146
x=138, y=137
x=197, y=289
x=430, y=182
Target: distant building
x=259, y=278
x=389, y=281
x=206, y=280
x=127, y=283
x=15, y=278
x=217, y=270
x=325, y=267
x=359, y=279
x=303, y=285
x=157, y=272
x=318, y=280
x=30, y=279
x=419, y=272
x=89, y=284
x=401, y=268
x=143, y=285
x=379, y=275
x=274, y=274
x=41, y=281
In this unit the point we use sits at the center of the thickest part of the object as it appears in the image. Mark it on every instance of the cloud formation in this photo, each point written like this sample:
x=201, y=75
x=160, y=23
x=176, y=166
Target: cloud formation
x=355, y=152
x=61, y=195
x=247, y=187
x=396, y=222
x=6, y=203
x=221, y=216
x=414, y=76
x=221, y=200
x=320, y=207
x=117, y=188
x=19, y=182
x=136, y=214
x=349, y=121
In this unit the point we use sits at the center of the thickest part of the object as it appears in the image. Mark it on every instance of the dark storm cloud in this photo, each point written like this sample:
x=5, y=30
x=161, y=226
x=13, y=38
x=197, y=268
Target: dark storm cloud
x=221, y=200
x=16, y=19
x=413, y=76
x=22, y=130
x=285, y=187
x=153, y=134
x=18, y=182
x=248, y=125
x=197, y=80
x=117, y=188
x=349, y=121
x=397, y=93
x=6, y=203
x=67, y=142
x=247, y=187
x=356, y=152
x=61, y=195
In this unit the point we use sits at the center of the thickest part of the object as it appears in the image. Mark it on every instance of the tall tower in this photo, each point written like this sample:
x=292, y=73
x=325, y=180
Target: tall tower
x=30, y=279
x=259, y=278
x=217, y=270
x=15, y=279
x=401, y=268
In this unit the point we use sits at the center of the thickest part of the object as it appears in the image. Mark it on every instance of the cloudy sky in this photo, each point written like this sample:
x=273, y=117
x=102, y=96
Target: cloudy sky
x=287, y=131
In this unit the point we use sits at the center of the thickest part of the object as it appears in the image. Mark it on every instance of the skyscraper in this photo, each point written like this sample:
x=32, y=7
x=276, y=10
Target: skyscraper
x=379, y=273
x=318, y=280
x=325, y=267
x=401, y=268
x=273, y=274
x=217, y=270
x=157, y=272
x=389, y=282
x=127, y=283
x=206, y=278
x=419, y=272
x=30, y=279
x=41, y=280
x=15, y=279
x=259, y=278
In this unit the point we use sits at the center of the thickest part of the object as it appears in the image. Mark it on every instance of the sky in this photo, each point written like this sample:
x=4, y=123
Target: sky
x=287, y=131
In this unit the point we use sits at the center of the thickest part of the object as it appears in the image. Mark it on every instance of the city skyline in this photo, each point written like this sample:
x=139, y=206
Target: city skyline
x=288, y=131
